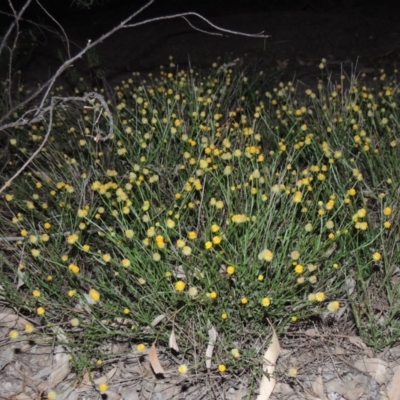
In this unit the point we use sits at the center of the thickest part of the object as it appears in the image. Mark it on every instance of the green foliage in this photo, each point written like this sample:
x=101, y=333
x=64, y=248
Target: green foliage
x=215, y=202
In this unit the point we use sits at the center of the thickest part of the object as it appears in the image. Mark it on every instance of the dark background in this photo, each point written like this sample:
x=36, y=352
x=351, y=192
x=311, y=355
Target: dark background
x=346, y=32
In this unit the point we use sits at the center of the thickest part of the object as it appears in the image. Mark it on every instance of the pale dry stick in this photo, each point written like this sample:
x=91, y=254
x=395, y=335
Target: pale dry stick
x=10, y=29
x=40, y=111
x=12, y=50
x=59, y=25
x=124, y=24
x=44, y=28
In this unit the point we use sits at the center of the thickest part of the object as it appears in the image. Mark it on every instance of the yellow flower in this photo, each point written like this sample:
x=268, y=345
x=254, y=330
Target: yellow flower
x=40, y=310
x=260, y=277
x=106, y=257
x=71, y=239
x=170, y=223
x=35, y=252
x=235, y=353
x=73, y=268
x=94, y=294
x=295, y=255
x=180, y=243
x=127, y=310
x=213, y=295
x=387, y=211
x=51, y=395
x=151, y=231
x=160, y=241
x=129, y=233
x=193, y=291
x=24, y=232
x=297, y=197
x=299, y=269
x=320, y=296
x=82, y=213
x=239, y=218
x=333, y=306
x=221, y=368
x=208, y=245
x=36, y=293
x=244, y=300
x=183, y=369
x=351, y=192
x=376, y=256
x=362, y=212
x=29, y=328
x=186, y=250
x=219, y=204
x=180, y=286
x=266, y=255
x=141, y=347
x=13, y=334
x=216, y=239
x=292, y=372
x=308, y=227
x=103, y=387
x=192, y=235
x=74, y=322
x=33, y=239
x=224, y=316
x=214, y=228
x=266, y=301
x=230, y=270
x=71, y=293
x=125, y=262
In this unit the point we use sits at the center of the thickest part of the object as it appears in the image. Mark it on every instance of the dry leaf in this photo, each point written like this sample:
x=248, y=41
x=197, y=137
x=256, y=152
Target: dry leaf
x=331, y=250
x=67, y=393
x=107, y=377
x=271, y=355
x=312, y=333
x=60, y=369
x=12, y=321
x=350, y=390
x=22, y=396
x=155, y=363
x=172, y=341
x=158, y=319
x=318, y=388
x=212, y=336
x=357, y=341
x=6, y=357
x=21, y=275
x=375, y=367
x=394, y=386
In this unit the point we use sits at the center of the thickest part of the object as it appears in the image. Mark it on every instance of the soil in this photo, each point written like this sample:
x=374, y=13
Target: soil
x=359, y=37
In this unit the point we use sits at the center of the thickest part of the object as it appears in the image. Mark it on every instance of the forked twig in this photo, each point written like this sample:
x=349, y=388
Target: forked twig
x=39, y=113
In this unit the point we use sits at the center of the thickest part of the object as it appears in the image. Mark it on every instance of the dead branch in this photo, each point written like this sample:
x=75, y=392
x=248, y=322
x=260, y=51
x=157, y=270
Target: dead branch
x=41, y=112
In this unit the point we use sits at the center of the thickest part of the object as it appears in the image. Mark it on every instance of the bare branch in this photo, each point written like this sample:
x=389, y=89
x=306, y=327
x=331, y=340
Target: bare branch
x=16, y=19
x=58, y=24
x=186, y=14
x=39, y=113
x=56, y=101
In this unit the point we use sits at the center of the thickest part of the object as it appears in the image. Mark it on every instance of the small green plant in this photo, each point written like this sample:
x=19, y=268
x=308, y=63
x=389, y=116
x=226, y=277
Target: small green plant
x=208, y=207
